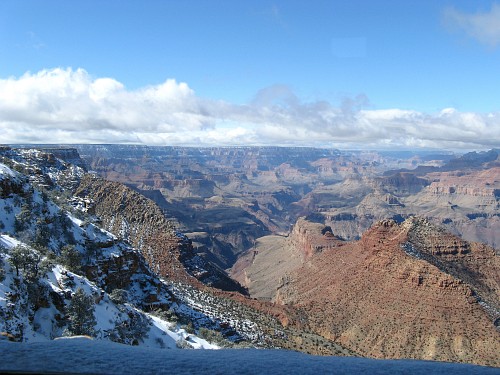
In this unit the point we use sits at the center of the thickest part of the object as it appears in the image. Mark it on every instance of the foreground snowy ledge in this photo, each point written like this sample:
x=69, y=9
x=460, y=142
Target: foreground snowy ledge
x=84, y=356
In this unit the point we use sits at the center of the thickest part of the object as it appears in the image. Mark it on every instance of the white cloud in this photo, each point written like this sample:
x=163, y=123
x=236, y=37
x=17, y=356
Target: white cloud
x=483, y=26
x=70, y=106
x=72, y=100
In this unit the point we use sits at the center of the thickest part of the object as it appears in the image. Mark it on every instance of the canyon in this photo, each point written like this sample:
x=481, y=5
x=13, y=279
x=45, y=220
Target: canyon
x=224, y=199
x=380, y=254
x=408, y=290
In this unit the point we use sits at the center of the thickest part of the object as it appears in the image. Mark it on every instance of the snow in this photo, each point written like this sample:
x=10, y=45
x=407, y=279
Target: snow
x=44, y=327
x=8, y=241
x=44, y=322
x=5, y=286
x=174, y=333
x=76, y=221
x=6, y=171
x=82, y=355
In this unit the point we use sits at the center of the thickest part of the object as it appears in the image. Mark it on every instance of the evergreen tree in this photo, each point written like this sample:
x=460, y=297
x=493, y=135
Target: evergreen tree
x=42, y=233
x=21, y=257
x=81, y=314
x=132, y=330
x=2, y=270
x=22, y=219
x=71, y=258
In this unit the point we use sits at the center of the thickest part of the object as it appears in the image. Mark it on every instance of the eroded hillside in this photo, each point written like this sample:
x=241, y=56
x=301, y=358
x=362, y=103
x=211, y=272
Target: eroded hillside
x=142, y=281
x=407, y=290
x=224, y=199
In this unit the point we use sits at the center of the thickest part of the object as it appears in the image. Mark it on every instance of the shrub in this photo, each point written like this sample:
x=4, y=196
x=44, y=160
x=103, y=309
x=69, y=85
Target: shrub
x=183, y=344
x=71, y=258
x=130, y=331
x=188, y=327
x=211, y=336
x=168, y=315
x=81, y=314
x=119, y=296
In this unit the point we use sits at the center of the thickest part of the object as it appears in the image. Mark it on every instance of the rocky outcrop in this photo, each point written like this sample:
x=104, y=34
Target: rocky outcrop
x=312, y=238
x=473, y=263
x=401, y=183
x=134, y=218
x=47, y=167
x=393, y=295
x=69, y=155
x=470, y=183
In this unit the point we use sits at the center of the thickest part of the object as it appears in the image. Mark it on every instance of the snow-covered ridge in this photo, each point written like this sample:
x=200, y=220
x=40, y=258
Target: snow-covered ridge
x=6, y=172
x=46, y=322
x=46, y=166
x=39, y=282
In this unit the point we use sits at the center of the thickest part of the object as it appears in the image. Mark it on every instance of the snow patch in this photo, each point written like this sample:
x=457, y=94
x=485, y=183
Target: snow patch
x=8, y=241
x=6, y=172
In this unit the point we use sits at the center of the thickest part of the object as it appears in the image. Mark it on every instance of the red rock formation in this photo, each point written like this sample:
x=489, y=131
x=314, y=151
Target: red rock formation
x=308, y=237
x=134, y=218
x=380, y=296
x=474, y=183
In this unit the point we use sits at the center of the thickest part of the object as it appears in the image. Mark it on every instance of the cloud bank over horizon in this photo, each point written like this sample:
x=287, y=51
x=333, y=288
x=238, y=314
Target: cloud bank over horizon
x=71, y=106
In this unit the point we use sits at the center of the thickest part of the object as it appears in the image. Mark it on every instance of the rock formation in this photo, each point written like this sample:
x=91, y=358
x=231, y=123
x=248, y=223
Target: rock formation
x=136, y=219
x=404, y=290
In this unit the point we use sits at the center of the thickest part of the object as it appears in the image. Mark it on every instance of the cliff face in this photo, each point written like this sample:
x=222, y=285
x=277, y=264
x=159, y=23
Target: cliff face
x=134, y=218
x=475, y=264
x=401, y=183
x=469, y=183
x=404, y=290
x=312, y=238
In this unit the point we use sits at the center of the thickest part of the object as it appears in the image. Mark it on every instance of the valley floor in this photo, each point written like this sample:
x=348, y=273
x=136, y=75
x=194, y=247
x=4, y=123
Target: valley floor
x=84, y=356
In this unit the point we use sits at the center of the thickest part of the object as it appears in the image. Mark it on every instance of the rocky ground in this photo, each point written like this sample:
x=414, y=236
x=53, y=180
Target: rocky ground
x=404, y=290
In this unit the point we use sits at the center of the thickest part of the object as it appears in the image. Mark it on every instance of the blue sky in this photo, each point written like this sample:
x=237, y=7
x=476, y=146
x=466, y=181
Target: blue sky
x=253, y=72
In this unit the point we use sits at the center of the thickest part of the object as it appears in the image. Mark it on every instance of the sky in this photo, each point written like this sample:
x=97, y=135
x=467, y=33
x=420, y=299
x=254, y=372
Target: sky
x=365, y=74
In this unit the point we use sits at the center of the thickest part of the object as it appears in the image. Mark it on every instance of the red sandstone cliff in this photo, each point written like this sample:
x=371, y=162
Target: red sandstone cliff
x=408, y=290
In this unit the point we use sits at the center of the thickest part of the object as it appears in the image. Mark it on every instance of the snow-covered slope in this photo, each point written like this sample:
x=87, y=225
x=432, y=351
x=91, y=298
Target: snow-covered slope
x=38, y=279
x=83, y=356
x=39, y=213
x=41, y=321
